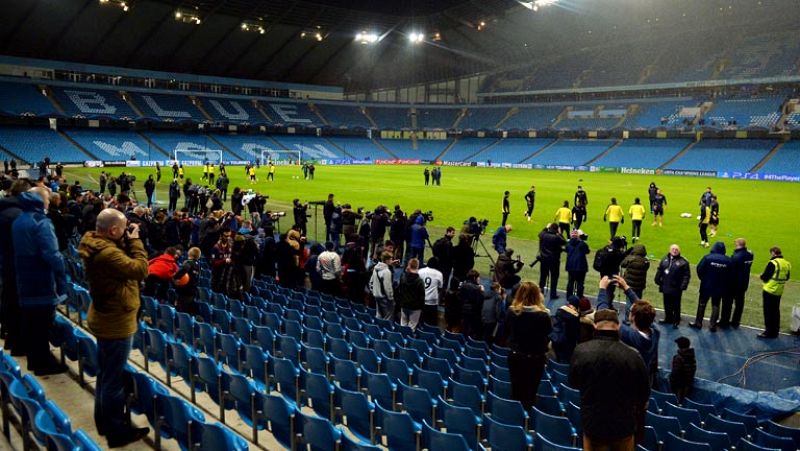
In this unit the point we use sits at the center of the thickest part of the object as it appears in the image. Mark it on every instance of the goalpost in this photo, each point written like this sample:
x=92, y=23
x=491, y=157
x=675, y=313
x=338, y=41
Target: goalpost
x=281, y=157
x=197, y=157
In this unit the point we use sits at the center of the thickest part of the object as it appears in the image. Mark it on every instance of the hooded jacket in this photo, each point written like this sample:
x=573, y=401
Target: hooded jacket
x=113, y=272
x=636, y=266
x=418, y=233
x=40, y=271
x=164, y=267
x=380, y=284
x=411, y=291
x=684, y=367
x=714, y=271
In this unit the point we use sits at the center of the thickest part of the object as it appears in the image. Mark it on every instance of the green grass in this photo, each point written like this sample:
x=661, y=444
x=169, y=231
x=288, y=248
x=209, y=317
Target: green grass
x=762, y=212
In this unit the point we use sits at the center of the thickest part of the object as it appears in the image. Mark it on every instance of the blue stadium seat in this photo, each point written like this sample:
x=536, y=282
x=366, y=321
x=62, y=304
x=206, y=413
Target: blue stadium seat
x=293, y=328
x=319, y=391
x=186, y=328
x=750, y=421
x=767, y=440
x=349, y=444
x=466, y=396
x=315, y=359
x=256, y=365
x=783, y=431
x=663, y=424
x=288, y=347
x=367, y=358
x=287, y=378
x=556, y=429
x=245, y=396
x=230, y=351
x=174, y=417
x=279, y=415
x=573, y=412
x=209, y=377
x=346, y=372
x=418, y=403
x=499, y=387
x=506, y=411
x=461, y=420
x=434, y=440
x=543, y=444
x=338, y=347
x=145, y=390
x=675, y=443
x=735, y=430
x=318, y=434
x=166, y=319
x=209, y=436
x=504, y=437
x=381, y=389
x=431, y=381
x=717, y=440
x=265, y=337
x=704, y=409
x=411, y=356
x=87, y=356
x=206, y=339
x=383, y=347
x=357, y=413
x=399, y=428
x=180, y=362
x=685, y=416
x=550, y=405
x=398, y=370
x=243, y=329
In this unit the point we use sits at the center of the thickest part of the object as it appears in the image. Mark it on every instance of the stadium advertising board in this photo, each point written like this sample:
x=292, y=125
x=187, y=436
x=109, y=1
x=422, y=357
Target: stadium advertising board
x=639, y=171
x=688, y=172
x=603, y=169
x=399, y=161
x=462, y=163
x=758, y=176
x=344, y=162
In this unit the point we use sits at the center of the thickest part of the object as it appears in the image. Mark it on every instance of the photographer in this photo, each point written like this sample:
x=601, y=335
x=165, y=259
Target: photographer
x=551, y=245
x=576, y=266
x=397, y=231
x=378, y=223
x=506, y=269
x=500, y=237
x=607, y=261
x=327, y=214
x=443, y=251
x=300, y=215
x=419, y=235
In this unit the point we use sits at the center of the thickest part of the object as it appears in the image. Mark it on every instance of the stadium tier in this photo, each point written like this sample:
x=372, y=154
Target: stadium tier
x=483, y=118
x=92, y=103
x=512, y=150
x=167, y=107
x=793, y=120
x=533, y=118
x=310, y=146
x=344, y=116
x=194, y=146
x=729, y=155
x=233, y=110
x=760, y=112
x=426, y=149
x=642, y=153
x=571, y=152
x=116, y=145
x=291, y=114
x=785, y=161
x=395, y=118
x=361, y=148
x=17, y=99
x=33, y=144
x=464, y=148
x=436, y=118
x=662, y=113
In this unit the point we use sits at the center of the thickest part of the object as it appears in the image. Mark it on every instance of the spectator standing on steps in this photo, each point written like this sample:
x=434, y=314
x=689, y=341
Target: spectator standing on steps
x=115, y=262
x=742, y=261
x=551, y=245
x=411, y=295
x=636, y=266
x=380, y=285
x=714, y=272
x=576, y=266
x=775, y=275
x=684, y=367
x=672, y=277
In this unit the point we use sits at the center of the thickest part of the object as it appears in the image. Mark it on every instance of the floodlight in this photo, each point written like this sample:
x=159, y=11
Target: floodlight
x=416, y=38
x=367, y=38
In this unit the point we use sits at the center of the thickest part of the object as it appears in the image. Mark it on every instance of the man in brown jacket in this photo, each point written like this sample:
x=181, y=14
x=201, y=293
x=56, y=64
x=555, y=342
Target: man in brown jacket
x=115, y=262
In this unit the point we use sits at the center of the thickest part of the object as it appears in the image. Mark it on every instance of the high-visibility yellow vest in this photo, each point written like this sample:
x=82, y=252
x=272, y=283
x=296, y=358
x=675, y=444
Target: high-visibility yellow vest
x=776, y=283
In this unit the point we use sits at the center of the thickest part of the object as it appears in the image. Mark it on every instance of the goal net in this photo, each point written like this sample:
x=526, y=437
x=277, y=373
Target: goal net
x=198, y=157
x=281, y=157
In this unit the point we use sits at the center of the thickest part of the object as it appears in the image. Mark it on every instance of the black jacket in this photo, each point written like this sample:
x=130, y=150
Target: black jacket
x=529, y=332
x=684, y=366
x=327, y=211
x=607, y=261
x=614, y=386
x=410, y=292
x=577, y=249
x=174, y=190
x=551, y=245
x=673, y=275
x=505, y=271
x=742, y=260
x=463, y=260
x=714, y=271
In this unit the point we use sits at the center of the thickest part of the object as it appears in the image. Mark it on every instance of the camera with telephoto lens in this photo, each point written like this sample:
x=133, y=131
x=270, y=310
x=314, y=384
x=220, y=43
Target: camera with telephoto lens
x=620, y=243
x=428, y=215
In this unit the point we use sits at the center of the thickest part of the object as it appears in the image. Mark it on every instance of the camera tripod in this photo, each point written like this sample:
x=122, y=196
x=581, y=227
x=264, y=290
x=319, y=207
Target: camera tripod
x=476, y=240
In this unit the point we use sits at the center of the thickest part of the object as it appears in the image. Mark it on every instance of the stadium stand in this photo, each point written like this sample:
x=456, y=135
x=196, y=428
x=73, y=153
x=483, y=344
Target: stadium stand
x=33, y=144
x=360, y=148
x=167, y=107
x=186, y=143
x=760, y=112
x=233, y=110
x=660, y=113
x=724, y=155
x=762, y=53
x=483, y=118
x=426, y=149
x=291, y=114
x=512, y=150
x=592, y=117
x=466, y=147
x=785, y=161
x=344, y=116
x=311, y=147
x=436, y=118
x=92, y=103
x=570, y=152
x=390, y=117
x=18, y=99
x=642, y=153
x=793, y=120
x=248, y=147
x=533, y=118
x=115, y=144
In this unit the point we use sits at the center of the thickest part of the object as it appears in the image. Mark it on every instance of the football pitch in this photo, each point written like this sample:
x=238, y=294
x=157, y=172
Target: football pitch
x=764, y=213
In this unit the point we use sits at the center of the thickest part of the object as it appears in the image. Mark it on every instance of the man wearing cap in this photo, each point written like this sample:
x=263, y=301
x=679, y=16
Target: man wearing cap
x=613, y=382
x=774, y=277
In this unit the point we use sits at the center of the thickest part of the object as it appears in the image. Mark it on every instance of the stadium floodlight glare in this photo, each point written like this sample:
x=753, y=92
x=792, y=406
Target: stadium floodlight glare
x=416, y=37
x=187, y=17
x=124, y=5
x=253, y=27
x=367, y=38
x=534, y=5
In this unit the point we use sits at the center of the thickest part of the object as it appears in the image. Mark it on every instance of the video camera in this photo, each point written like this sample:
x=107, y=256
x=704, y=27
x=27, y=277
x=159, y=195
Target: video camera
x=620, y=243
x=428, y=215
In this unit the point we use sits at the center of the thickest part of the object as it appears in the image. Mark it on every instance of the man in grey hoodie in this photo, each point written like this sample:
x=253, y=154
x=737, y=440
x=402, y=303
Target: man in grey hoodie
x=380, y=285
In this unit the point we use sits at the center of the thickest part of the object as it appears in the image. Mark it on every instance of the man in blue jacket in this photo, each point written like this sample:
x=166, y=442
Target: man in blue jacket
x=742, y=261
x=9, y=306
x=714, y=272
x=576, y=266
x=41, y=278
x=500, y=238
x=641, y=334
x=419, y=235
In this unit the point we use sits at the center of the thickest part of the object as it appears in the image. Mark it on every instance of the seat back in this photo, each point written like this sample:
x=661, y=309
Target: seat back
x=319, y=392
x=280, y=418
x=718, y=440
x=460, y=420
x=506, y=410
x=434, y=440
x=358, y=411
x=504, y=437
x=675, y=443
x=556, y=429
x=318, y=433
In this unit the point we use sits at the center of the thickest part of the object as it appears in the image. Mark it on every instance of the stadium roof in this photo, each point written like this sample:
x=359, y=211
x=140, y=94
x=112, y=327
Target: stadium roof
x=148, y=36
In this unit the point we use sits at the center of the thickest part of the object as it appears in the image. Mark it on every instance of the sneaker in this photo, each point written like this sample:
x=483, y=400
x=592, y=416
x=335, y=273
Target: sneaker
x=126, y=438
x=707, y=245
